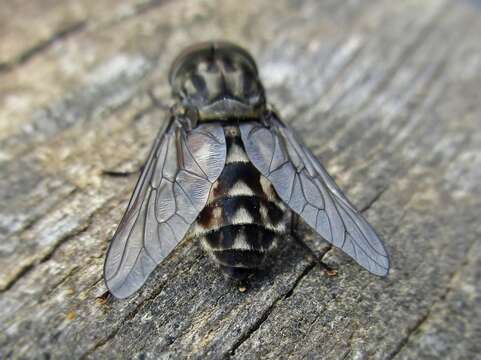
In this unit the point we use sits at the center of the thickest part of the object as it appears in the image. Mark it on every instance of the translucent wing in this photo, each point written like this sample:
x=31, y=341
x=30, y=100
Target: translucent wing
x=171, y=192
x=305, y=186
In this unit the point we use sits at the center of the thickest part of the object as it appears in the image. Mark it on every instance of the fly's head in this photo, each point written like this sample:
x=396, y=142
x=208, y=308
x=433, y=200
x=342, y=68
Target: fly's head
x=217, y=80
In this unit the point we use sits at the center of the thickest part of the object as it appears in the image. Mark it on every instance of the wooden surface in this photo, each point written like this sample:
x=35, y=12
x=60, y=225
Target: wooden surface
x=387, y=93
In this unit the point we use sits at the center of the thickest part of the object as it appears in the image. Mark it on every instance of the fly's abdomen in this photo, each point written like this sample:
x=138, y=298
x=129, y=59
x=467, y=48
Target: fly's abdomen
x=243, y=217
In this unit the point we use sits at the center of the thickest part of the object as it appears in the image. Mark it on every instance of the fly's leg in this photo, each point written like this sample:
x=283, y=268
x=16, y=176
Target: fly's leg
x=118, y=173
x=113, y=173
x=105, y=299
x=324, y=267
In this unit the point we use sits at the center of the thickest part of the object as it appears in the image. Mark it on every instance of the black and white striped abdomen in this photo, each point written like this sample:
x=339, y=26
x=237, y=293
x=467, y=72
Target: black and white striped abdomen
x=243, y=217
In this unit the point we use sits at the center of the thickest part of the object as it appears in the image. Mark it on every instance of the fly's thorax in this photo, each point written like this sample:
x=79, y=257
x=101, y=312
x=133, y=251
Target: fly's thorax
x=243, y=218
x=218, y=80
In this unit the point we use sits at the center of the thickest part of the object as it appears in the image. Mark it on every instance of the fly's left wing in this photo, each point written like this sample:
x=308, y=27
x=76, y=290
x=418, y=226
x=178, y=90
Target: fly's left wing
x=171, y=192
x=304, y=185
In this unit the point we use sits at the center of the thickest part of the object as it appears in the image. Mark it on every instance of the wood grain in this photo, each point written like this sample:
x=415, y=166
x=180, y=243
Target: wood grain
x=386, y=93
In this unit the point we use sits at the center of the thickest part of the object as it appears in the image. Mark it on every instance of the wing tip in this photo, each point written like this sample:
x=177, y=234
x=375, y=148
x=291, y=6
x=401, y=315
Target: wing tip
x=112, y=286
x=383, y=273
x=118, y=292
x=382, y=270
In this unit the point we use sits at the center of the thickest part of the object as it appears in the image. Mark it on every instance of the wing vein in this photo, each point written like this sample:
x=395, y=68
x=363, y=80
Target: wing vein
x=132, y=253
x=317, y=189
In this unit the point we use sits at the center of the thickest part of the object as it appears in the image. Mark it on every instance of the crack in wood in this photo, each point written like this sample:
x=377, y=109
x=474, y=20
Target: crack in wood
x=257, y=324
x=43, y=45
x=66, y=237
x=374, y=199
x=420, y=71
x=148, y=6
x=26, y=269
x=265, y=315
x=429, y=313
x=34, y=220
x=410, y=48
x=348, y=341
x=89, y=99
x=141, y=305
x=140, y=9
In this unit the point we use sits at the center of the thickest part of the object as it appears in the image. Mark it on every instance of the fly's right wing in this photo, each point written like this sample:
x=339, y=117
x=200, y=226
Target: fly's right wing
x=305, y=186
x=172, y=190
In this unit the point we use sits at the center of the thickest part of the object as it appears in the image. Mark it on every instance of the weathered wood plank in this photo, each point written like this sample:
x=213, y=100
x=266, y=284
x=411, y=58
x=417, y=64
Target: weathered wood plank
x=387, y=93
x=38, y=62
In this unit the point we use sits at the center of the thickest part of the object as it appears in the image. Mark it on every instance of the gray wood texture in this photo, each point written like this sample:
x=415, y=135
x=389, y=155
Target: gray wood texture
x=386, y=93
